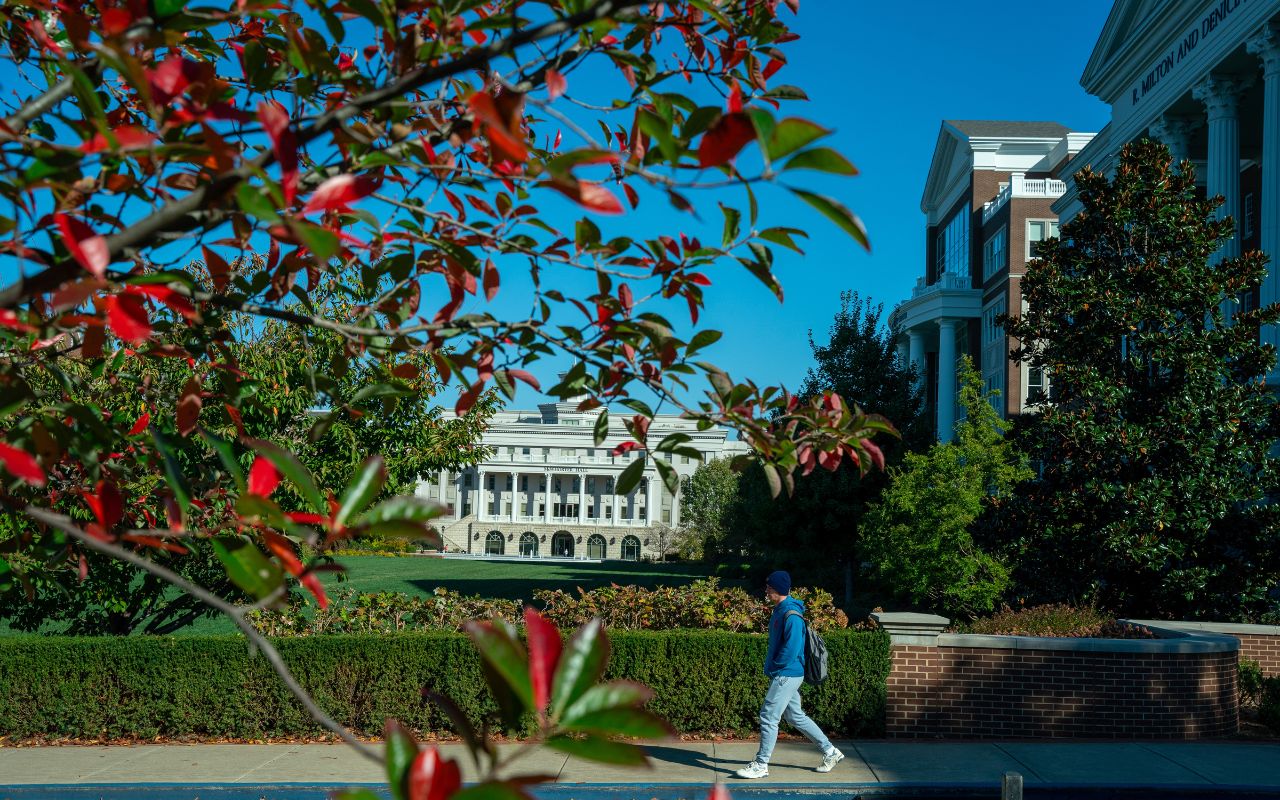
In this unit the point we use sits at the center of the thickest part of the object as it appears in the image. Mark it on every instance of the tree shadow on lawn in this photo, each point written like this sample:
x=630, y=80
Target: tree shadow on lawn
x=568, y=578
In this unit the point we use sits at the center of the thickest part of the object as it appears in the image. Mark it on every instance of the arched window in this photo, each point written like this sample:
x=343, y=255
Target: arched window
x=595, y=546
x=562, y=544
x=528, y=545
x=494, y=544
x=630, y=548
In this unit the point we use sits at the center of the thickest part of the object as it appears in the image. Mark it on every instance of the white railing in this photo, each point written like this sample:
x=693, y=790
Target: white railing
x=1021, y=186
x=948, y=280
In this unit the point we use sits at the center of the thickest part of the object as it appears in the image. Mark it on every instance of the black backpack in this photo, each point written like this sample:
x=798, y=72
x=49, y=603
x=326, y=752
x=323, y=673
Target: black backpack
x=815, y=653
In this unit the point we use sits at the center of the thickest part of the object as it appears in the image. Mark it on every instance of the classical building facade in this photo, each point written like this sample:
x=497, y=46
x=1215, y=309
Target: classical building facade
x=1202, y=76
x=987, y=201
x=548, y=489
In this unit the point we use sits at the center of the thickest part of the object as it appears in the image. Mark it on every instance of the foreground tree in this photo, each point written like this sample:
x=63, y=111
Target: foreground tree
x=1157, y=480
x=816, y=530
x=917, y=536
x=421, y=155
x=705, y=498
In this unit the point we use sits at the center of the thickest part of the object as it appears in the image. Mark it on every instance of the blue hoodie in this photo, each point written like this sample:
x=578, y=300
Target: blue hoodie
x=786, y=641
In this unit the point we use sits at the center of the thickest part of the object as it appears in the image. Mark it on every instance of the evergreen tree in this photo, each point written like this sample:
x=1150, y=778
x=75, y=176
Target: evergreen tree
x=1156, y=479
x=815, y=530
x=917, y=536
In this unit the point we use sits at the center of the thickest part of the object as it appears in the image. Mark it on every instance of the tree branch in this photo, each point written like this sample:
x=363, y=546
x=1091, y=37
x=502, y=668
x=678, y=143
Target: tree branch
x=236, y=613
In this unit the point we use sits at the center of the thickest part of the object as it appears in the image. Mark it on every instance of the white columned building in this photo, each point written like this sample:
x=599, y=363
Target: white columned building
x=547, y=490
x=1202, y=76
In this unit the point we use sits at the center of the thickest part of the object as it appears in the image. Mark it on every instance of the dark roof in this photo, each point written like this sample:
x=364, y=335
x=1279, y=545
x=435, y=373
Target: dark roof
x=1008, y=129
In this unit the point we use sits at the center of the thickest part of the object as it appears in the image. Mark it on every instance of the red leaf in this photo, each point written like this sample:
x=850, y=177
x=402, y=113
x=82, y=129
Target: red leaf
x=506, y=139
x=156, y=542
x=275, y=120
x=282, y=549
x=263, y=477
x=544, y=654
x=127, y=317
x=305, y=517
x=116, y=21
x=140, y=425
x=84, y=568
x=772, y=68
x=491, y=280
x=589, y=195
x=106, y=504
x=313, y=584
x=169, y=297
x=526, y=377
x=21, y=465
x=85, y=246
x=626, y=447
x=632, y=197
x=625, y=298
x=468, y=398
x=189, y=406
x=725, y=139
x=339, y=192
x=431, y=777
x=873, y=450
x=128, y=137
x=234, y=414
x=735, y=99
x=9, y=319
x=219, y=269
x=556, y=84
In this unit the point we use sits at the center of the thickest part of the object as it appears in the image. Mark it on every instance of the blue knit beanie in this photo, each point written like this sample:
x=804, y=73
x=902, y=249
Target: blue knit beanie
x=779, y=581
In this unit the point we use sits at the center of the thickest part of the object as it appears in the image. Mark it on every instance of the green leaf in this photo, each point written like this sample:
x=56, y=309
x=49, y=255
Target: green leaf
x=786, y=92
x=638, y=406
x=635, y=722
x=227, y=457
x=775, y=480
x=841, y=216
x=782, y=236
x=173, y=477
x=702, y=339
x=167, y=8
x=408, y=508
x=293, y=469
x=791, y=134
x=601, y=430
x=615, y=694
x=822, y=159
x=251, y=505
x=254, y=203
x=593, y=748
x=668, y=474
x=500, y=648
x=582, y=662
x=247, y=567
x=401, y=750
x=732, y=218
x=365, y=485
x=320, y=241
x=630, y=477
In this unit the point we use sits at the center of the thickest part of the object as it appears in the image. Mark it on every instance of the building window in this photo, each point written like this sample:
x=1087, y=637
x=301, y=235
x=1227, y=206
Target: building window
x=466, y=481
x=494, y=544
x=994, y=355
x=562, y=545
x=1247, y=222
x=995, y=254
x=1037, y=385
x=524, y=483
x=595, y=546
x=1037, y=231
x=630, y=549
x=953, y=245
x=524, y=450
x=491, y=481
x=528, y=545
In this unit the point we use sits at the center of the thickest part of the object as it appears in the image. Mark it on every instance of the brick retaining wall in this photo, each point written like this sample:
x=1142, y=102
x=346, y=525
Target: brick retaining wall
x=1181, y=686
x=985, y=692
x=1260, y=643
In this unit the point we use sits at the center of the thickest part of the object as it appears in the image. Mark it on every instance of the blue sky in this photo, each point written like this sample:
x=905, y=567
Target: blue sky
x=884, y=75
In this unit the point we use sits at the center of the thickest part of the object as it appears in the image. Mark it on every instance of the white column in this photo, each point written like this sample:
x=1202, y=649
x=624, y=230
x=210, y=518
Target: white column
x=904, y=353
x=582, y=498
x=480, y=515
x=648, y=501
x=616, y=498
x=1221, y=98
x=915, y=348
x=946, y=412
x=1266, y=45
x=546, y=498
x=655, y=517
x=515, y=494
x=1174, y=131
x=675, y=507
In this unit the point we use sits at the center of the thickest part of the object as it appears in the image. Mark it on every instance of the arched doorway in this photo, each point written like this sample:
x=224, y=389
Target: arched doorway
x=529, y=545
x=630, y=548
x=595, y=546
x=494, y=544
x=562, y=544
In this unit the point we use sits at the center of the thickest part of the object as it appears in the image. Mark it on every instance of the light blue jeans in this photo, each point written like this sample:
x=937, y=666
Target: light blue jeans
x=782, y=701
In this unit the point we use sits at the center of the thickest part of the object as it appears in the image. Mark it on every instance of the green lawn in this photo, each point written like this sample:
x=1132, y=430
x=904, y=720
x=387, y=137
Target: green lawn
x=514, y=580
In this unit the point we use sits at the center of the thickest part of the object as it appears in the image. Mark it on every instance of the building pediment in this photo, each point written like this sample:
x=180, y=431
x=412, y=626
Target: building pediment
x=1135, y=31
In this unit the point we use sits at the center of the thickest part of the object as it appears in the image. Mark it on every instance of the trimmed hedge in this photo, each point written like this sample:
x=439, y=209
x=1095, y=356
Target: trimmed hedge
x=143, y=687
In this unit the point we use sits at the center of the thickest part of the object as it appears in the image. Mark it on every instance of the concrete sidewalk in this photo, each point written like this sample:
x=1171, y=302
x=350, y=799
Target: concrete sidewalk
x=869, y=765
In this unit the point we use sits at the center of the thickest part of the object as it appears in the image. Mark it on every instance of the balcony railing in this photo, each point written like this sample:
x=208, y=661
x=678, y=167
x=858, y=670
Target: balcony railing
x=1021, y=186
x=947, y=280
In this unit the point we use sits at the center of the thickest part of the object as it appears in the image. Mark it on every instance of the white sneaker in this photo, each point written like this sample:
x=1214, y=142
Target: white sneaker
x=830, y=760
x=754, y=770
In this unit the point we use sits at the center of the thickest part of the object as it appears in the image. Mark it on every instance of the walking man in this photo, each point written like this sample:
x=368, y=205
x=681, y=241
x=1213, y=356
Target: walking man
x=784, y=665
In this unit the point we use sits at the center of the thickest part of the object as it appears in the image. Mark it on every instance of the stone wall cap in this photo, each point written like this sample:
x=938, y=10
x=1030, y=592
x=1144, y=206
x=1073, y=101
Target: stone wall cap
x=1174, y=641
x=910, y=621
x=1210, y=627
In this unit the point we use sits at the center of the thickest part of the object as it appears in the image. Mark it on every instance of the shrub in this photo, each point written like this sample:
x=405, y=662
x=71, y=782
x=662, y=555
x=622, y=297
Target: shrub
x=382, y=612
x=703, y=604
x=211, y=686
x=1056, y=619
x=1249, y=684
x=1269, y=705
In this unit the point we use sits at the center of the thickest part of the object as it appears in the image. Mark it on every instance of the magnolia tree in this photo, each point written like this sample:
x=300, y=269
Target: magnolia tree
x=170, y=171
